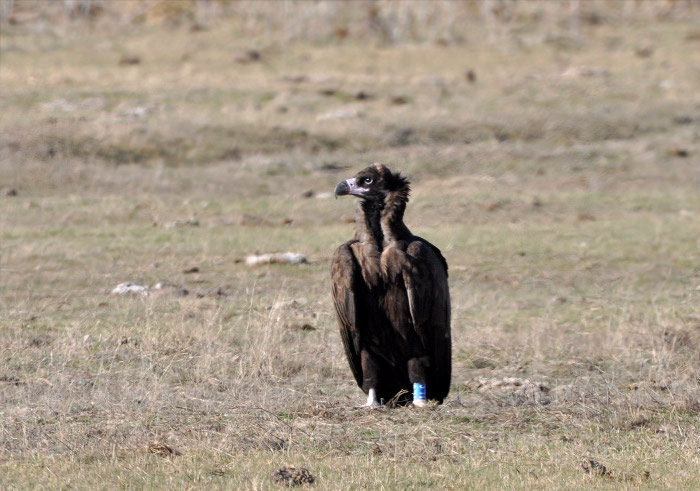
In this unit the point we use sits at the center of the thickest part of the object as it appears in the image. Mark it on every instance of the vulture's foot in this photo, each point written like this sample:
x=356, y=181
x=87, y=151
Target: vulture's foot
x=372, y=401
x=368, y=406
x=420, y=402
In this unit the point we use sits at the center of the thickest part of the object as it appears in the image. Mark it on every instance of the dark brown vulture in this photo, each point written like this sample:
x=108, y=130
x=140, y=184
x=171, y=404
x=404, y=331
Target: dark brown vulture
x=391, y=296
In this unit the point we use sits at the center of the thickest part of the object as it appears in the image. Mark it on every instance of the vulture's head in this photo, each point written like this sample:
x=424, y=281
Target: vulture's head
x=374, y=184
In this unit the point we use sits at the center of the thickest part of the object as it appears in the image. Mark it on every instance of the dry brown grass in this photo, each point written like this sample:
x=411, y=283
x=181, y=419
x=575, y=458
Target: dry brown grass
x=561, y=184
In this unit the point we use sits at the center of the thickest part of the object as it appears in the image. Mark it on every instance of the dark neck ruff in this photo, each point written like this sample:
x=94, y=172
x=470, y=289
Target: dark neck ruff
x=382, y=222
x=371, y=216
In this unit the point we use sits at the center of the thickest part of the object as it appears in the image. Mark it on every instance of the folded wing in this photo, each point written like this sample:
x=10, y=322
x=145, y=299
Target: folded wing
x=345, y=275
x=429, y=302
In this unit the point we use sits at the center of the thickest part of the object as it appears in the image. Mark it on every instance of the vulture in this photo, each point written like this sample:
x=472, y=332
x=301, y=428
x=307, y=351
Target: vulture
x=391, y=296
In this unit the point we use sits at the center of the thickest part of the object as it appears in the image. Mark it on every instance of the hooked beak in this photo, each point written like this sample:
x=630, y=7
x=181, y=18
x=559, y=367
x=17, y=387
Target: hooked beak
x=348, y=186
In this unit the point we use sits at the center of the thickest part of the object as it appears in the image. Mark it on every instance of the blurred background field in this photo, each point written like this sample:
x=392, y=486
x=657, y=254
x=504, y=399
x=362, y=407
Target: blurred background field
x=554, y=153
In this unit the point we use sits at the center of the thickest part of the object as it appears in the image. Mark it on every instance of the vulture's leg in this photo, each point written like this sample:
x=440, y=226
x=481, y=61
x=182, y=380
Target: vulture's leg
x=372, y=402
x=418, y=374
x=372, y=399
x=370, y=378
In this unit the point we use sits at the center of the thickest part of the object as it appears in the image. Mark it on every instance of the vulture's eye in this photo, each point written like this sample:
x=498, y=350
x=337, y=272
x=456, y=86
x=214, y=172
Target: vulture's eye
x=367, y=180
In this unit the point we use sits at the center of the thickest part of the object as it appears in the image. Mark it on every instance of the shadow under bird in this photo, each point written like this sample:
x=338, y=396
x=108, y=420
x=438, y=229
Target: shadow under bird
x=391, y=297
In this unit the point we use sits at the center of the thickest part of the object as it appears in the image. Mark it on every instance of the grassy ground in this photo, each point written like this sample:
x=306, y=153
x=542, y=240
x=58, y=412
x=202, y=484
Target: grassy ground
x=561, y=185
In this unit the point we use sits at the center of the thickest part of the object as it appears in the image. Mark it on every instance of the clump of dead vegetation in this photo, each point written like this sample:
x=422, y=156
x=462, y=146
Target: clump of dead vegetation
x=293, y=476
